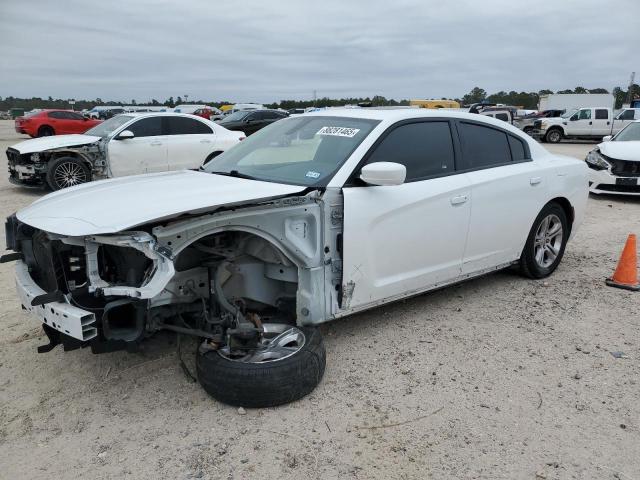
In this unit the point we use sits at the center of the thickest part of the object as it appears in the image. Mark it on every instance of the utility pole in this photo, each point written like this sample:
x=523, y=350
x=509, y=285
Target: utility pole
x=315, y=96
x=186, y=98
x=633, y=77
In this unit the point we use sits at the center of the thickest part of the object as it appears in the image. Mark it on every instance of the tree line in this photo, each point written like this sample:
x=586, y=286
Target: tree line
x=527, y=100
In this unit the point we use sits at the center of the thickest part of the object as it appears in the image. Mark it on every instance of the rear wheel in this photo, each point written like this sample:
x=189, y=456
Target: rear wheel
x=45, y=131
x=66, y=172
x=287, y=364
x=553, y=136
x=546, y=242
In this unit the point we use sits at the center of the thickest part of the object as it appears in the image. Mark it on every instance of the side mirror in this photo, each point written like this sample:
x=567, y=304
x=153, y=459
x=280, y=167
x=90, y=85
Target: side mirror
x=606, y=138
x=383, y=173
x=125, y=135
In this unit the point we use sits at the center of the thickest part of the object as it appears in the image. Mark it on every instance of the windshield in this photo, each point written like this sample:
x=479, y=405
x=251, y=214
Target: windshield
x=235, y=117
x=630, y=133
x=107, y=127
x=569, y=113
x=298, y=151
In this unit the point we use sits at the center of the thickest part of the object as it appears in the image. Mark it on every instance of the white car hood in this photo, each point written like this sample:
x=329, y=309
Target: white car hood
x=110, y=206
x=621, y=150
x=57, y=141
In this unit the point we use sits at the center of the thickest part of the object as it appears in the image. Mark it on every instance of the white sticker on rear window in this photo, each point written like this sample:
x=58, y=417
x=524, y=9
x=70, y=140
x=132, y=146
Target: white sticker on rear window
x=338, y=131
x=312, y=174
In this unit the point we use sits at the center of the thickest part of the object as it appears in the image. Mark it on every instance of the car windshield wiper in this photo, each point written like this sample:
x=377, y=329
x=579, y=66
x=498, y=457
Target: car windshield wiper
x=235, y=173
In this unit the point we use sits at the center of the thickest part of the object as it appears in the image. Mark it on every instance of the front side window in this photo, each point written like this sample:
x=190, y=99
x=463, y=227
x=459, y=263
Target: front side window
x=602, y=114
x=626, y=115
x=424, y=148
x=187, y=126
x=147, y=127
x=585, y=114
x=298, y=151
x=483, y=146
x=502, y=116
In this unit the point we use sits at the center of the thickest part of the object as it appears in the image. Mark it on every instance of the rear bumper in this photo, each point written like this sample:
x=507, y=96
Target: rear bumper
x=602, y=181
x=63, y=317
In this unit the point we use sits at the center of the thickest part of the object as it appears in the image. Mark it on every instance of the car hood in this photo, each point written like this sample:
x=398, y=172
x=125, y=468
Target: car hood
x=621, y=150
x=110, y=206
x=57, y=141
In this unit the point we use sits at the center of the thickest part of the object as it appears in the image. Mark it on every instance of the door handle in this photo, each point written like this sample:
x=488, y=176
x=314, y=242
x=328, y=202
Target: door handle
x=155, y=143
x=459, y=200
x=535, y=180
x=205, y=141
x=608, y=123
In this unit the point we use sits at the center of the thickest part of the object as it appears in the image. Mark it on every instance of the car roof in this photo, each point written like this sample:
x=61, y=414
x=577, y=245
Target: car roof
x=161, y=114
x=398, y=114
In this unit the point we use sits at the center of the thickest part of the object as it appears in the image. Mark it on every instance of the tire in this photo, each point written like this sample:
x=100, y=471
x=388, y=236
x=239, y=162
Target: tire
x=554, y=135
x=528, y=130
x=267, y=384
x=45, y=131
x=66, y=172
x=534, y=265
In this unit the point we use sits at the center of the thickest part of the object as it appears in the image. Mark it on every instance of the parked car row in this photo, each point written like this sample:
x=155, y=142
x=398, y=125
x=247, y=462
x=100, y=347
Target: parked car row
x=313, y=218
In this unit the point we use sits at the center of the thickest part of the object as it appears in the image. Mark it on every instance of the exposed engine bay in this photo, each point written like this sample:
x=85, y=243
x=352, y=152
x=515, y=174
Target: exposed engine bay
x=199, y=276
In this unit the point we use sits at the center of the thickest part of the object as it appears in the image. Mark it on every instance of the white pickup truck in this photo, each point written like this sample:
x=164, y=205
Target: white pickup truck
x=587, y=123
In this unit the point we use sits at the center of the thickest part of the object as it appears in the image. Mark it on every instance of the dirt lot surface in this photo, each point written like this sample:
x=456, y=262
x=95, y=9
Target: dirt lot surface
x=501, y=377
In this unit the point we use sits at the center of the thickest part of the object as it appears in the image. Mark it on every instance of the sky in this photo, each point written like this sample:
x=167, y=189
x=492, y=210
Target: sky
x=265, y=51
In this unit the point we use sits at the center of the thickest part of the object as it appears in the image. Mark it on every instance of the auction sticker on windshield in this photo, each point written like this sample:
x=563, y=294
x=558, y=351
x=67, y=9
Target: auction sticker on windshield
x=338, y=131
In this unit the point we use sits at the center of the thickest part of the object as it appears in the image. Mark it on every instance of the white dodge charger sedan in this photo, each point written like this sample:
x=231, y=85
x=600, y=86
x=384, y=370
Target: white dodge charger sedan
x=127, y=144
x=615, y=163
x=310, y=219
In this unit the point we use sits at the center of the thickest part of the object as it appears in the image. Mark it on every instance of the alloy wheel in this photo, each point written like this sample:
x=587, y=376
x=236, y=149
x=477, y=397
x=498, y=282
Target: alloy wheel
x=548, y=241
x=278, y=342
x=68, y=174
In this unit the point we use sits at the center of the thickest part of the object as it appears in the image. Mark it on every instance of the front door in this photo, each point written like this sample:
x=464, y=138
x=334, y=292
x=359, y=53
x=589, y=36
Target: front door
x=145, y=153
x=410, y=237
x=581, y=123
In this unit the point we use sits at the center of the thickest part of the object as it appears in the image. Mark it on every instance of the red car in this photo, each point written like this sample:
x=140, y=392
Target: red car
x=54, y=122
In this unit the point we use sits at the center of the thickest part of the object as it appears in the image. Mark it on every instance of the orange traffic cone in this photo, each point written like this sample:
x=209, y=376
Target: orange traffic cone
x=626, y=274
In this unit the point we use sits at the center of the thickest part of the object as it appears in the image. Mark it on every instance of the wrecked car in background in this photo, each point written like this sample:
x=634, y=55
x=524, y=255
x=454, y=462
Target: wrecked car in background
x=124, y=145
x=310, y=219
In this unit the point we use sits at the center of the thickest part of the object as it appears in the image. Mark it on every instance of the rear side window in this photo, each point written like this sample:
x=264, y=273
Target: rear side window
x=518, y=152
x=602, y=114
x=186, y=126
x=58, y=115
x=147, y=127
x=424, y=148
x=483, y=146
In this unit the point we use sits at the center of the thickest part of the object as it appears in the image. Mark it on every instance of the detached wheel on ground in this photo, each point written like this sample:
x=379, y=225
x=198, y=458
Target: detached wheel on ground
x=66, y=172
x=546, y=242
x=553, y=136
x=45, y=131
x=287, y=365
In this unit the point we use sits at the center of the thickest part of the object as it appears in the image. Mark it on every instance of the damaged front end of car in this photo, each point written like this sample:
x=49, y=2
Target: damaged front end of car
x=30, y=169
x=219, y=276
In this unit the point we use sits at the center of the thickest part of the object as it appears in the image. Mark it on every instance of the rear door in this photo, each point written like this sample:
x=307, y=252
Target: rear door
x=190, y=142
x=406, y=238
x=508, y=190
x=145, y=153
x=601, y=122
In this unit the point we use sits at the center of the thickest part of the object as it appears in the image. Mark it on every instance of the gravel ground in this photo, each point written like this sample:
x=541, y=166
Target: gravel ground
x=500, y=377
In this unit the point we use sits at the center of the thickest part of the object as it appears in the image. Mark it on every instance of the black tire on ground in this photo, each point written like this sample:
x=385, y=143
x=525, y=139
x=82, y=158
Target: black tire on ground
x=529, y=266
x=45, y=131
x=528, y=130
x=67, y=172
x=259, y=385
x=553, y=136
